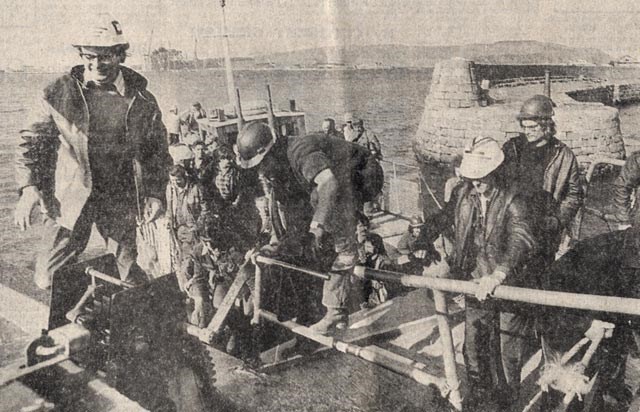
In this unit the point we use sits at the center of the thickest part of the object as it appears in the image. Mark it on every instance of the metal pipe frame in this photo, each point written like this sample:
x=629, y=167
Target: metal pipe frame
x=270, y=261
x=626, y=306
x=407, y=367
x=373, y=354
x=103, y=276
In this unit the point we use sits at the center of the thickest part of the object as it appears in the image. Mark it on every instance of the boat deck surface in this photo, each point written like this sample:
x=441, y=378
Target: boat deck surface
x=326, y=380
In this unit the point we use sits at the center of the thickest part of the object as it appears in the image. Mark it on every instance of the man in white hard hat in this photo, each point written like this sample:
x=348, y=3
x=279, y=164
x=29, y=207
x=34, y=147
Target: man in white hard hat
x=347, y=128
x=492, y=239
x=94, y=151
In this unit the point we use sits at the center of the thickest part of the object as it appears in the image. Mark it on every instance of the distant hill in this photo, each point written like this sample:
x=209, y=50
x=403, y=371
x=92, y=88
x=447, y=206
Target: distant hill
x=394, y=55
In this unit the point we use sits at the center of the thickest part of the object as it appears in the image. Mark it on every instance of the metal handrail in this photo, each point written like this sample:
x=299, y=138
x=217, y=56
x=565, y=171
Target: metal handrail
x=393, y=162
x=580, y=301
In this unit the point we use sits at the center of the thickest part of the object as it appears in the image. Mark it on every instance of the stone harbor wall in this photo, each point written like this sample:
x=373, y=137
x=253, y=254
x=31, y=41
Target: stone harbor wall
x=456, y=112
x=609, y=95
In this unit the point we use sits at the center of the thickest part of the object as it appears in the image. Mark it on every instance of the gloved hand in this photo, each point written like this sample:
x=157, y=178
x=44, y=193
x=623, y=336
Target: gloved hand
x=487, y=284
x=270, y=250
x=599, y=330
x=152, y=209
x=317, y=243
x=420, y=254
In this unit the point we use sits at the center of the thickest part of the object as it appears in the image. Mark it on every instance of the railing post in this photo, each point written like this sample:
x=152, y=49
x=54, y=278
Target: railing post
x=257, y=296
x=448, y=351
x=547, y=83
x=395, y=187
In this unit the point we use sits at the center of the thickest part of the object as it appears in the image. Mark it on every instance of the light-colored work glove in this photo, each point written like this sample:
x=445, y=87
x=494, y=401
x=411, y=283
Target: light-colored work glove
x=487, y=284
x=152, y=209
x=599, y=330
x=30, y=197
x=436, y=271
x=420, y=254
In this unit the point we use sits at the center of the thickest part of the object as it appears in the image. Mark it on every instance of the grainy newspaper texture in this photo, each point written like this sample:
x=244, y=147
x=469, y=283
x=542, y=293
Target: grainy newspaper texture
x=331, y=205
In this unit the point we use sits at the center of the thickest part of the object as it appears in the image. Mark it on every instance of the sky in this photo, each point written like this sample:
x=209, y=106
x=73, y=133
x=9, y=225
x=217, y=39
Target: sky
x=38, y=32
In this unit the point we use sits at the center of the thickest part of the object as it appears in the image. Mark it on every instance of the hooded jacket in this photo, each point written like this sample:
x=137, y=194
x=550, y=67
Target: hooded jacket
x=53, y=154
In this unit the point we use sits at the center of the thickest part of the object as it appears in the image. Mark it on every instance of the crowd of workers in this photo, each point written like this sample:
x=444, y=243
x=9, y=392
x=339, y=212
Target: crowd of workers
x=97, y=152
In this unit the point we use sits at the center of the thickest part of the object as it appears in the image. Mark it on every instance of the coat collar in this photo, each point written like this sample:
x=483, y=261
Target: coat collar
x=128, y=81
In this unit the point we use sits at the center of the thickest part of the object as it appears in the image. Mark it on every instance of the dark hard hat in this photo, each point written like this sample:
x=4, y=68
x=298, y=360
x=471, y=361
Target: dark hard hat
x=537, y=107
x=253, y=143
x=415, y=221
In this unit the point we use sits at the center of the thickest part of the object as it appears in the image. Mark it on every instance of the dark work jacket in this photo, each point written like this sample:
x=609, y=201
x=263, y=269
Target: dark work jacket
x=52, y=152
x=204, y=175
x=561, y=181
x=627, y=181
x=595, y=266
x=345, y=159
x=508, y=240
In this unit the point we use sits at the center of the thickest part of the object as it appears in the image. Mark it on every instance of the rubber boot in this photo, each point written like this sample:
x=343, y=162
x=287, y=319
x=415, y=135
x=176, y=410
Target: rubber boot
x=335, y=319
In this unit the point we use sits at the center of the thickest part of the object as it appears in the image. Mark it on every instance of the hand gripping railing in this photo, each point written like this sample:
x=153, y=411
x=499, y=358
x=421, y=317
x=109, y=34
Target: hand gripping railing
x=414, y=370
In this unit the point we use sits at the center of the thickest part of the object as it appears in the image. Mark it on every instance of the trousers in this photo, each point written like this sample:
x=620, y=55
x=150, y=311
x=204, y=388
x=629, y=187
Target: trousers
x=482, y=345
x=61, y=246
x=518, y=342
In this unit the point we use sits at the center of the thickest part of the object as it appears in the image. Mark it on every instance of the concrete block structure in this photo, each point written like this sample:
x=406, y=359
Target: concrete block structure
x=455, y=113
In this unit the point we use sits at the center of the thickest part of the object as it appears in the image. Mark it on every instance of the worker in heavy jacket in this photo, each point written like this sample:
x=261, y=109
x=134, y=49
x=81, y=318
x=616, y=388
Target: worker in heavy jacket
x=602, y=265
x=201, y=168
x=95, y=148
x=625, y=189
x=337, y=177
x=492, y=240
x=416, y=247
x=185, y=207
x=194, y=275
x=545, y=171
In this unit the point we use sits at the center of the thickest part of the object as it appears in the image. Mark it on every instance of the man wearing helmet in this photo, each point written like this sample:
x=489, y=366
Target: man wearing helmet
x=336, y=177
x=545, y=171
x=94, y=149
x=492, y=239
x=416, y=247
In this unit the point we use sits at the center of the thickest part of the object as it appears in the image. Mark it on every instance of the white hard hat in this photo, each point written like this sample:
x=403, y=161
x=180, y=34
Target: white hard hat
x=180, y=152
x=348, y=117
x=102, y=31
x=482, y=157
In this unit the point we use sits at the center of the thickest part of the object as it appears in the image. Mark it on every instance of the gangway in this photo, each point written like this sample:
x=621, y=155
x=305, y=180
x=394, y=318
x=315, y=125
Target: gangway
x=449, y=385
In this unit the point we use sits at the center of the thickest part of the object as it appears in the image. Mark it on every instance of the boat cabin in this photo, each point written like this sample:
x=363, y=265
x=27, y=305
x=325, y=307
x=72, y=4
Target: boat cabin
x=222, y=124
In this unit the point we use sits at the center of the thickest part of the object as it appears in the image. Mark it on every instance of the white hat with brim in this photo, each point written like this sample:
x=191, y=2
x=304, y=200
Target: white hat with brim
x=180, y=153
x=255, y=160
x=348, y=117
x=104, y=31
x=484, y=156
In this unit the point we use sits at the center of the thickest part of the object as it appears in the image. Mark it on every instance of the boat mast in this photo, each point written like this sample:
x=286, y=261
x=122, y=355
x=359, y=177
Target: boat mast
x=231, y=86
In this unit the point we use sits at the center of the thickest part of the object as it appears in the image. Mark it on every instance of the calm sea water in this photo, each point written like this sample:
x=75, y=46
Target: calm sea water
x=390, y=101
